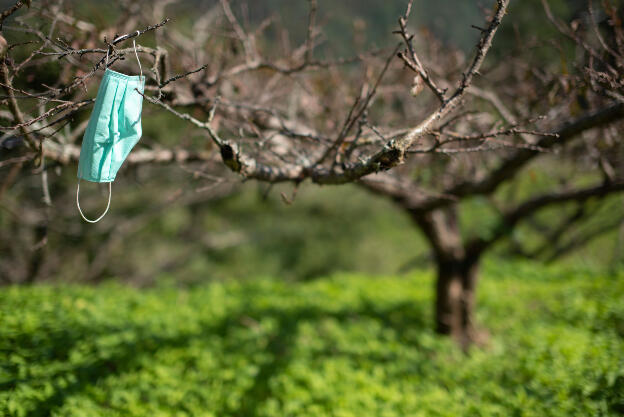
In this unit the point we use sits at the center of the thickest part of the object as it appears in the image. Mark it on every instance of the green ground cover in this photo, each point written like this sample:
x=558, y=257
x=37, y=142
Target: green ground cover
x=347, y=345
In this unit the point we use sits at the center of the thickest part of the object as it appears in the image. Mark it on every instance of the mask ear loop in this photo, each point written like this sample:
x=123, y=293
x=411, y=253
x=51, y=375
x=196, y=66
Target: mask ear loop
x=137, y=54
x=80, y=210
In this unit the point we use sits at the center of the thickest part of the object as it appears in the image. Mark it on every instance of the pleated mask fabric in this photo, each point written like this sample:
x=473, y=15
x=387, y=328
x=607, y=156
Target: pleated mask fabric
x=114, y=127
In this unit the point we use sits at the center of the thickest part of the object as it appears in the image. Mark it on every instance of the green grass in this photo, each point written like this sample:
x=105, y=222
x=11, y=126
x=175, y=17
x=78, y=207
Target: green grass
x=341, y=346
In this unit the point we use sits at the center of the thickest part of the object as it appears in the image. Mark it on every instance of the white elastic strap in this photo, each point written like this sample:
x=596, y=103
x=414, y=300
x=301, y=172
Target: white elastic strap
x=80, y=210
x=137, y=54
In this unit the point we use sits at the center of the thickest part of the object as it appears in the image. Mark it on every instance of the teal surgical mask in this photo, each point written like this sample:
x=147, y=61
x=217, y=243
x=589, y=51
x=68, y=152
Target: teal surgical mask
x=113, y=130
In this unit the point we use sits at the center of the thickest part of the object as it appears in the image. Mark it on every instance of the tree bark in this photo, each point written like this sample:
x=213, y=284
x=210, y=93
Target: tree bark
x=457, y=273
x=455, y=299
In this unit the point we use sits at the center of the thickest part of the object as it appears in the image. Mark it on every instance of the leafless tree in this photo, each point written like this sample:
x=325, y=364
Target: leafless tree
x=579, y=150
x=253, y=93
x=282, y=114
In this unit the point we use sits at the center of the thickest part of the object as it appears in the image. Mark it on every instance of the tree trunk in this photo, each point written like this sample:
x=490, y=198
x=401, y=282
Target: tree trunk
x=455, y=299
x=457, y=271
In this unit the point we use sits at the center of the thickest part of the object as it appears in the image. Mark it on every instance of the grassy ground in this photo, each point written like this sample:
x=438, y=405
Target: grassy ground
x=341, y=346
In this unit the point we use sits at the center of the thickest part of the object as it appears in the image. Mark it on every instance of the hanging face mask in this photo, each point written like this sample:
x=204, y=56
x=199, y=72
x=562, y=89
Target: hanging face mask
x=113, y=130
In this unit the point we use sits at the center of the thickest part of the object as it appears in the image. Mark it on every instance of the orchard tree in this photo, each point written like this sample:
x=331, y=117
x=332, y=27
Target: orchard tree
x=578, y=156
x=414, y=130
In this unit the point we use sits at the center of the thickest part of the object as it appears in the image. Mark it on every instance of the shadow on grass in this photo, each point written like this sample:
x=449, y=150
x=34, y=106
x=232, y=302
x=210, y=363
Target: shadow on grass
x=53, y=346
x=400, y=317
